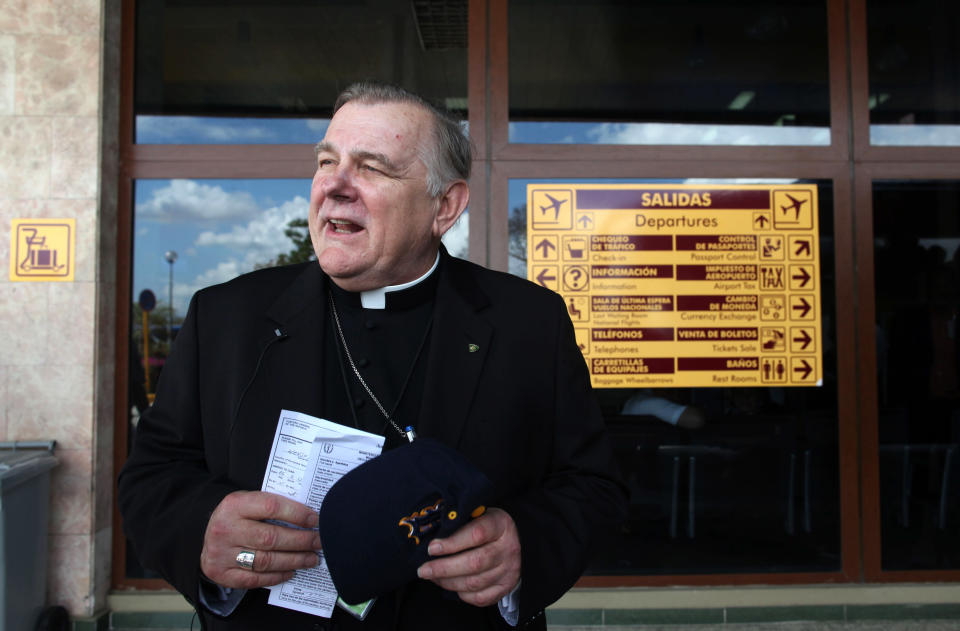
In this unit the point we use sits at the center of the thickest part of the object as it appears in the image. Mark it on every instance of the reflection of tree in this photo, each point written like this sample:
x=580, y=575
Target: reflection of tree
x=517, y=233
x=299, y=232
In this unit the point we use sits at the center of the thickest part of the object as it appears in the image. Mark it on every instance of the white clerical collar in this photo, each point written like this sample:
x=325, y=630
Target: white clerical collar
x=377, y=298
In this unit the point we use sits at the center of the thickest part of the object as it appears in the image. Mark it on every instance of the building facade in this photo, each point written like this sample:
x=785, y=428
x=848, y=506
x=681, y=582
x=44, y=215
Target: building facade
x=177, y=138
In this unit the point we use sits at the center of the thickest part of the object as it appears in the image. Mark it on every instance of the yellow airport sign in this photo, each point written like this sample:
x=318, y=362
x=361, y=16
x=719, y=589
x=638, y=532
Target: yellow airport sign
x=675, y=285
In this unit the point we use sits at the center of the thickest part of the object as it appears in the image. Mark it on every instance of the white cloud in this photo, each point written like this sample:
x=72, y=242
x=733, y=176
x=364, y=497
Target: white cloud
x=517, y=267
x=187, y=200
x=262, y=238
x=195, y=129
x=915, y=135
x=224, y=271
x=685, y=134
x=457, y=238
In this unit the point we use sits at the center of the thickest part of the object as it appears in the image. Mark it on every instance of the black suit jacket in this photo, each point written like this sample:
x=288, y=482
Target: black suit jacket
x=520, y=407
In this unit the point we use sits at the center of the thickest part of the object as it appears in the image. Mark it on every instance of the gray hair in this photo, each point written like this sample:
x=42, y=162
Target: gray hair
x=448, y=158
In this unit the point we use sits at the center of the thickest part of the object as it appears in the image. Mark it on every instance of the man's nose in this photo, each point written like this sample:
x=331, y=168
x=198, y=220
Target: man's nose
x=338, y=184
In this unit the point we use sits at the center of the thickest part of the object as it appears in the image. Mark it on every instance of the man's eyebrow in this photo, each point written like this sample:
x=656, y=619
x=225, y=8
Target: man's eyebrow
x=361, y=155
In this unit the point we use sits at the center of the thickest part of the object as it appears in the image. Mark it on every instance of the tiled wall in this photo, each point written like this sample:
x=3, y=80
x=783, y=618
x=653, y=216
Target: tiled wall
x=50, y=166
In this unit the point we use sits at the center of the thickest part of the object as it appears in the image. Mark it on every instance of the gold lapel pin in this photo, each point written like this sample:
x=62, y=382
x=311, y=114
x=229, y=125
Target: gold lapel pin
x=473, y=348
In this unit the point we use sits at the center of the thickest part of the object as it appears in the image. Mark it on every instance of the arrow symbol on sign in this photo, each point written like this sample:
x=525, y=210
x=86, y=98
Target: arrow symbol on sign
x=761, y=221
x=804, y=339
x=545, y=245
x=585, y=221
x=804, y=307
x=542, y=277
x=806, y=369
x=803, y=248
x=804, y=277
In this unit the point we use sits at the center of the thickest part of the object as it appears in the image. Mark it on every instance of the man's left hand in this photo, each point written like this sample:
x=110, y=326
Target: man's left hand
x=481, y=560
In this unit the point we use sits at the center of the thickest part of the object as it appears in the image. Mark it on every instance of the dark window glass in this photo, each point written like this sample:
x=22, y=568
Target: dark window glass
x=269, y=72
x=653, y=72
x=189, y=234
x=914, y=72
x=917, y=269
x=754, y=489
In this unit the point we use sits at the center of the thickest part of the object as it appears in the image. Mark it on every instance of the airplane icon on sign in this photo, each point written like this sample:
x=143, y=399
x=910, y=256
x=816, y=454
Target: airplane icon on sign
x=795, y=205
x=555, y=205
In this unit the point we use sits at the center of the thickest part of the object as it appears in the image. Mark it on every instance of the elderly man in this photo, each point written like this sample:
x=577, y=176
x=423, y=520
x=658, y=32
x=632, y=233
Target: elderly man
x=385, y=320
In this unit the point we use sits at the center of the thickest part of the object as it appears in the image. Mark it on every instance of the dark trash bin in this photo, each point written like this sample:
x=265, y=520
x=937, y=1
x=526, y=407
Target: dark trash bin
x=24, y=516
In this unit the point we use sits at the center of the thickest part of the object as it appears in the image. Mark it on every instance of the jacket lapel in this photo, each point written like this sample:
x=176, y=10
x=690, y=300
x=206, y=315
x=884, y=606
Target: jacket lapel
x=286, y=373
x=297, y=367
x=458, y=350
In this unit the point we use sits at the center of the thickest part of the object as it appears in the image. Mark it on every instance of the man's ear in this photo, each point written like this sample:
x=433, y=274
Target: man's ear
x=451, y=206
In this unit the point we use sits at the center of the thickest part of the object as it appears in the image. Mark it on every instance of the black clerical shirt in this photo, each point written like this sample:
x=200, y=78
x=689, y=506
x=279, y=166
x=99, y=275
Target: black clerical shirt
x=389, y=348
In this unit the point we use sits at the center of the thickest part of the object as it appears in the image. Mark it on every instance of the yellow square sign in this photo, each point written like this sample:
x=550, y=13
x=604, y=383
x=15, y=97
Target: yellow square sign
x=42, y=249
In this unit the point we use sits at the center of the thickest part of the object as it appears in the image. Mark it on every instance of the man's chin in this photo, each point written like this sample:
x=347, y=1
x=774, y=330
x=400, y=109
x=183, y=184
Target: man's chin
x=337, y=262
x=350, y=277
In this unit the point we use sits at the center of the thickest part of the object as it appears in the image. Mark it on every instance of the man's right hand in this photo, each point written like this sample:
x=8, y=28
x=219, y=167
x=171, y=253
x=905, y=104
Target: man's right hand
x=237, y=525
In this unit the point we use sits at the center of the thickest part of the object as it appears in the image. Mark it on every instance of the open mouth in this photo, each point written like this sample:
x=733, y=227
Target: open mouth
x=342, y=226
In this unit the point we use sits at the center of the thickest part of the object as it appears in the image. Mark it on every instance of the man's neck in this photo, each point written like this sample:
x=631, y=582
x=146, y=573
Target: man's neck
x=377, y=298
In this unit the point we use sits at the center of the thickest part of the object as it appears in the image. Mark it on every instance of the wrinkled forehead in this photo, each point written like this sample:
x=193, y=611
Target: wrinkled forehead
x=401, y=130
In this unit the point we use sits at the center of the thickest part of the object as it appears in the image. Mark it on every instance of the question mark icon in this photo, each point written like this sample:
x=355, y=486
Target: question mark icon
x=575, y=278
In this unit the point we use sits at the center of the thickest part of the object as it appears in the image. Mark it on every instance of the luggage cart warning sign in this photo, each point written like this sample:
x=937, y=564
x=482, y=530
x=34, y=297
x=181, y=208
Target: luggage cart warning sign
x=42, y=249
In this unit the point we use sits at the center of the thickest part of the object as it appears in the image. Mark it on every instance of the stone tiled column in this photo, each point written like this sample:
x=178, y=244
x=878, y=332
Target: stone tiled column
x=55, y=354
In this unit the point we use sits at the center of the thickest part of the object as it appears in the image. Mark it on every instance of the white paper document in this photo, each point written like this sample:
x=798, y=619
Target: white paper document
x=308, y=456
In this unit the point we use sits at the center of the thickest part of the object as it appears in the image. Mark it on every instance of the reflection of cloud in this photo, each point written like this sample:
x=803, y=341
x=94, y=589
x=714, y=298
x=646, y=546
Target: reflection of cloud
x=517, y=267
x=182, y=293
x=224, y=271
x=687, y=134
x=196, y=129
x=665, y=134
x=187, y=200
x=915, y=135
x=228, y=131
x=457, y=238
x=262, y=238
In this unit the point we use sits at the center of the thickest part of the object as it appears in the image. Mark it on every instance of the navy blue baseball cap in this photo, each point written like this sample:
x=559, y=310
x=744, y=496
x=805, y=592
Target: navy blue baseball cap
x=377, y=521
